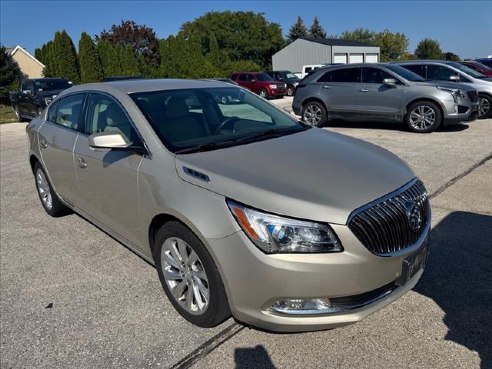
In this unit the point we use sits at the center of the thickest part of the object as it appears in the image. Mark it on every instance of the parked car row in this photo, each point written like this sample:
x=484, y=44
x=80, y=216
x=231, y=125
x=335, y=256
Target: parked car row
x=421, y=94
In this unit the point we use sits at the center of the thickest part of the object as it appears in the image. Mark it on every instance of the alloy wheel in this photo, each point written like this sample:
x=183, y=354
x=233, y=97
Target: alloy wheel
x=263, y=94
x=312, y=115
x=44, y=189
x=483, y=107
x=185, y=276
x=422, y=117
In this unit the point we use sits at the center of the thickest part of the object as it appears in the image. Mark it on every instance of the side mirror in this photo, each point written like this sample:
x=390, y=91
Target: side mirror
x=454, y=78
x=389, y=81
x=112, y=141
x=253, y=80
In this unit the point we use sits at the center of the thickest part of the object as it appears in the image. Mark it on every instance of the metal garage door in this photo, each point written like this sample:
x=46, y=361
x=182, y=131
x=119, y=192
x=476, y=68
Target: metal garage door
x=356, y=58
x=340, y=58
x=371, y=58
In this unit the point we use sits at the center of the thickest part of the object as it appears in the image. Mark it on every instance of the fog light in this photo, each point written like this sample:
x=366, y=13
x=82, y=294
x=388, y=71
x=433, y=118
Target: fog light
x=302, y=306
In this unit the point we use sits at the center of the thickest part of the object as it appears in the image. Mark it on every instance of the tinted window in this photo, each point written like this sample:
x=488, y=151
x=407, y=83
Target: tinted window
x=68, y=112
x=105, y=115
x=243, y=77
x=418, y=69
x=52, y=84
x=405, y=73
x=341, y=75
x=466, y=70
x=375, y=75
x=263, y=77
x=439, y=72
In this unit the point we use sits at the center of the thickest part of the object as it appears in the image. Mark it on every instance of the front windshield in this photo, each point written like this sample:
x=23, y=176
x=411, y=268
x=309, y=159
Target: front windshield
x=52, y=84
x=190, y=120
x=405, y=73
x=290, y=75
x=467, y=70
x=264, y=77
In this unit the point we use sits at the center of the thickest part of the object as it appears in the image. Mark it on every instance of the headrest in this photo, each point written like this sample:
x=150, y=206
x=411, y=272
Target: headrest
x=176, y=108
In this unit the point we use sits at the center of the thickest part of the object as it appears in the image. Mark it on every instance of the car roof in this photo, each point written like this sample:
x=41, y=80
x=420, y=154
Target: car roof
x=147, y=85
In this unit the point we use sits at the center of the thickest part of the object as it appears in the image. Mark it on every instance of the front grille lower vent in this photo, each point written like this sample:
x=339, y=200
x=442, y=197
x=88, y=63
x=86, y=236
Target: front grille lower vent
x=394, y=222
x=473, y=95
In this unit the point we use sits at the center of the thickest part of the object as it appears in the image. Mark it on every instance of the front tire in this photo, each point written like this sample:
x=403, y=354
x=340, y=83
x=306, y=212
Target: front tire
x=484, y=106
x=49, y=199
x=314, y=114
x=189, y=276
x=423, y=117
x=290, y=91
x=263, y=93
x=18, y=114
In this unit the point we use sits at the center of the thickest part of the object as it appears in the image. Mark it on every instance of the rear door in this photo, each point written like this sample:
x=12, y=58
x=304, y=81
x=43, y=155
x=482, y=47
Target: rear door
x=108, y=178
x=376, y=98
x=338, y=89
x=57, y=137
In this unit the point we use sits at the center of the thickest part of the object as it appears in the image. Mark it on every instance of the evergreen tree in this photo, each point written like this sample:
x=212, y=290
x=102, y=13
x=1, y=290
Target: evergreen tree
x=316, y=30
x=214, y=53
x=128, y=62
x=10, y=74
x=428, y=49
x=297, y=30
x=66, y=57
x=50, y=66
x=90, y=66
x=109, y=59
x=38, y=54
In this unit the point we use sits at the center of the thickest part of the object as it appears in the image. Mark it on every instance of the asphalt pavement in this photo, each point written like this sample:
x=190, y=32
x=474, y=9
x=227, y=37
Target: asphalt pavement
x=72, y=297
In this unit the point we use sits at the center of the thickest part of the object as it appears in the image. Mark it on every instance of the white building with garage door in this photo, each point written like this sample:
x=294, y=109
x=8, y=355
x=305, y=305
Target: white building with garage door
x=306, y=51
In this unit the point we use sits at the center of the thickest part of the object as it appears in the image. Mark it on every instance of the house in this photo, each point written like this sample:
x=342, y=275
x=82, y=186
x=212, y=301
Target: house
x=306, y=50
x=28, y=64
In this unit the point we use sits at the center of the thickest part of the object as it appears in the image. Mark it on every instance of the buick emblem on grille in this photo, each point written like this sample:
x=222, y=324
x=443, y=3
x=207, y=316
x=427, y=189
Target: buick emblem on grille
x=413, y=215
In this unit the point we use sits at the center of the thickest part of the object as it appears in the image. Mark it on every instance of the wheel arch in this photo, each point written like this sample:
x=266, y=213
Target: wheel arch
x=314, y=99
x=425, y=99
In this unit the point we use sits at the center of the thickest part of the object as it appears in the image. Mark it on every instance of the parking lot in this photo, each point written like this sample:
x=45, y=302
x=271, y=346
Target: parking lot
x=73, y=297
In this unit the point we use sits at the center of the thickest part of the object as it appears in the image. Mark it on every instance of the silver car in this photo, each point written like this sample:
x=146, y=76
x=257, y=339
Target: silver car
x=440, y=70
x=382, y=92
x=226, y=201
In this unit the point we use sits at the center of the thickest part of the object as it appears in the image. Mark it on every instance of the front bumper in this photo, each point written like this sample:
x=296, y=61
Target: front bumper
x=254, y=281
x=462, y=112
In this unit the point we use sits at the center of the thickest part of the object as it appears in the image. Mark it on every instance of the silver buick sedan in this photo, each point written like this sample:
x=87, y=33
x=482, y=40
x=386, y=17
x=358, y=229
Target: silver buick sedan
x=242, y=209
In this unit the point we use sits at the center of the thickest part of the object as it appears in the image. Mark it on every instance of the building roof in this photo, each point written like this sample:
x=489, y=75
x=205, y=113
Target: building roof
x=335, y=42
x=13, y=50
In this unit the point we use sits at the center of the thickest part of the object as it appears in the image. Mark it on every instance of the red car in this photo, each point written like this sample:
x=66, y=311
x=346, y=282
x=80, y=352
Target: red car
x=260, y=83
x=479, y=67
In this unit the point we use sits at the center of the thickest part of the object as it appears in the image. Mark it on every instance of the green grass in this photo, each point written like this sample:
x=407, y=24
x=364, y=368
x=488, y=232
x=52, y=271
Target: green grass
x=7, y=115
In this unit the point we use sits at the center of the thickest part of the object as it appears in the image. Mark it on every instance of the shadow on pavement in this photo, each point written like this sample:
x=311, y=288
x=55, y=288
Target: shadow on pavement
x=459, y=279
x=389, y=126
x=253, y=358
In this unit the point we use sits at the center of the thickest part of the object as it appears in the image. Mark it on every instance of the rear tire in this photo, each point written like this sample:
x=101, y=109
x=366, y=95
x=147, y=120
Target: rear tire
x=49, y=199
x=189, y=276
x=423, y=117
x=314, y=114
x=290, y=91
x=484, y=106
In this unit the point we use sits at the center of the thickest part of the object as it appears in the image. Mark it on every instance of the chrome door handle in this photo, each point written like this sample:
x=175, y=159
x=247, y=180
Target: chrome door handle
x=81, y=162
x=364, y=90
x=326, y=87
x=43, y=144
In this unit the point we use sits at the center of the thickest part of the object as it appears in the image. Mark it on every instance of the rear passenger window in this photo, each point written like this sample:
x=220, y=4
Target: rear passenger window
x=439, y=73
x=341, y=75
x=67, y=112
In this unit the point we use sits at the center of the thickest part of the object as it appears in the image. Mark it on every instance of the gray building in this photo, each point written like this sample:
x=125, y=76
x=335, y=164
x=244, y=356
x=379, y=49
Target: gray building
x=306, y=51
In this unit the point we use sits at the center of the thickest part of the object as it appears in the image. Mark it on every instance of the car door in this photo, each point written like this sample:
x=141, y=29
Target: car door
x=57, y=137
x=376, y=98
x=25, y=96
x=338, y=89
x=246, y=81
x=108, y=179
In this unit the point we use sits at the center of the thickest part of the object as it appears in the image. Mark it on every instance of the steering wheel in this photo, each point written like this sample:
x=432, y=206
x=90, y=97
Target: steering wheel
x=229, y=120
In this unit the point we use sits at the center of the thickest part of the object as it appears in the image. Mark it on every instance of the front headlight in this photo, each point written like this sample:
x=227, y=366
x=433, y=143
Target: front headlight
x=276, y=234
x=273, y=86
x=453, y=91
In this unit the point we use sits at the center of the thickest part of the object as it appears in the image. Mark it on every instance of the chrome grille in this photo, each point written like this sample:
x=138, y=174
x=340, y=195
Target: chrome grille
x=385, y=225
x=473, y=95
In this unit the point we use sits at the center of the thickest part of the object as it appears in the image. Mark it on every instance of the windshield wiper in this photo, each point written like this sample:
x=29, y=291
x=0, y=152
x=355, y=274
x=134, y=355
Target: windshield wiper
x=206, y=147
x=270, y=133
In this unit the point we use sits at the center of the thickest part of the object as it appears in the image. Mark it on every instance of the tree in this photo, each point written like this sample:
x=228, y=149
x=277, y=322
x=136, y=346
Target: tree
x=297, y=30
x=428, y=49
x=10, y=74
x=128, y=62
x=90, y=66
x=362, y=35
x=66, y=57
x=393, y=46
x=316, y=30
x=451, y=56
x=109, y=59
x=140, y=38
x=264, y=38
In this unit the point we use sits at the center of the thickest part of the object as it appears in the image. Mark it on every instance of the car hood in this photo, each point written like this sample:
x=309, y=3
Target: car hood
x=50, y=93
x=452, y=85
x=314, y=174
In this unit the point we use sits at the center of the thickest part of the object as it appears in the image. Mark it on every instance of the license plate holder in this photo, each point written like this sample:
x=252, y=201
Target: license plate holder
x=413, y=264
